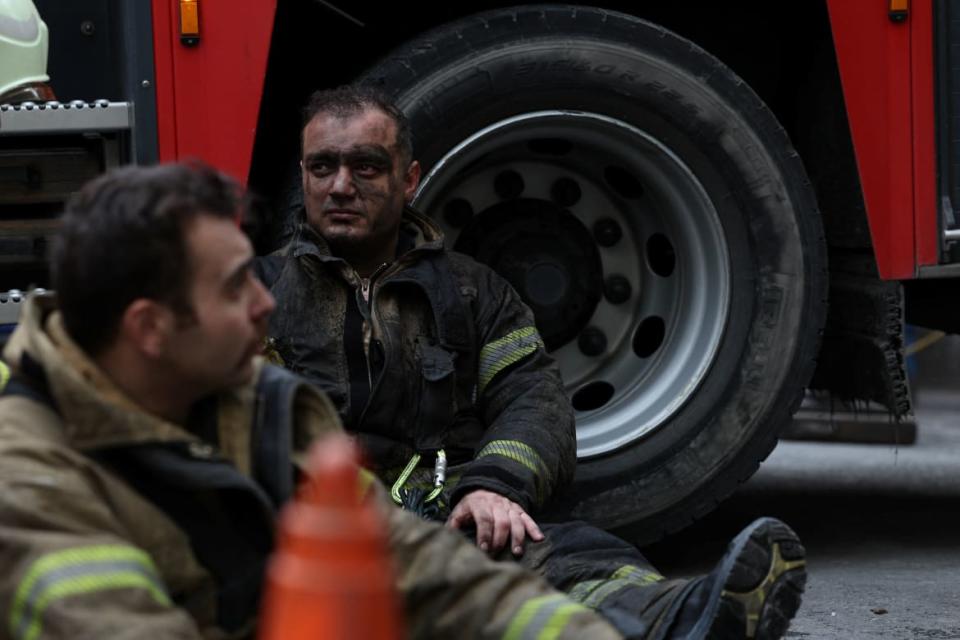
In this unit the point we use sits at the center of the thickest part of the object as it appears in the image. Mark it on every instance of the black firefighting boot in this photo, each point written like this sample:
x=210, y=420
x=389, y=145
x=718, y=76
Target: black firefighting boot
x=753, y=592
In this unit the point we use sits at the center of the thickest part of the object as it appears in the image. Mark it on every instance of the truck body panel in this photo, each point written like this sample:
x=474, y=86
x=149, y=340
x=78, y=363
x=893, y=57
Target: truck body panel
x=208, y=94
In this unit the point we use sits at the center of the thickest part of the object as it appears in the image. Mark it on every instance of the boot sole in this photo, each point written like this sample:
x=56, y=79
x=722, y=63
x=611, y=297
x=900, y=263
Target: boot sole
x=763, y=575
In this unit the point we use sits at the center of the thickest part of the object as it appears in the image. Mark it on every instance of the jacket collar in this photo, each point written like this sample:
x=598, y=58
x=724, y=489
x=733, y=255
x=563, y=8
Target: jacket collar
x=96, y=413
x=425, y=235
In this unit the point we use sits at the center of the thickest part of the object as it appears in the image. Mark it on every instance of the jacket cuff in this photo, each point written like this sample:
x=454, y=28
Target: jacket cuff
x=495, y=478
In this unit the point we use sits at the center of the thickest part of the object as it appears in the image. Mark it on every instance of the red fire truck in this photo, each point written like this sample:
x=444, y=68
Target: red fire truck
x=710, y=206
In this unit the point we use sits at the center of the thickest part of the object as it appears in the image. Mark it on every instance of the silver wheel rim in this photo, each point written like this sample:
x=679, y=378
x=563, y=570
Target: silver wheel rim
x=648, y=371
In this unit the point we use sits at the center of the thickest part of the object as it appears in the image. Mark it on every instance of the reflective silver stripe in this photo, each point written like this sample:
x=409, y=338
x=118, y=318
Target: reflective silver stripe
x=524, y=454
x=582, y=590
x=637, y=574
x=592, y=593
x=542, y=618
x=500, y=354
x=607, y=589
x=79, y=571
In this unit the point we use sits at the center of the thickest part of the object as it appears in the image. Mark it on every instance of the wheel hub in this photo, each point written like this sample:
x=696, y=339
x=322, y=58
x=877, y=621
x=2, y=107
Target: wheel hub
x=547, y=255
x=613, y=241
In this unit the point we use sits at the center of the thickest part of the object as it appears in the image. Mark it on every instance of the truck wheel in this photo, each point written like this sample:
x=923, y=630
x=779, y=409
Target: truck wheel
x=651, y=210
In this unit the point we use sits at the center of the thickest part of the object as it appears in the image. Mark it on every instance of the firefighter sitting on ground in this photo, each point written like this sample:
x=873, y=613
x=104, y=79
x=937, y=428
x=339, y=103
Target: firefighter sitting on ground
x=142, y=444
x=422, y=350
x=429, y=356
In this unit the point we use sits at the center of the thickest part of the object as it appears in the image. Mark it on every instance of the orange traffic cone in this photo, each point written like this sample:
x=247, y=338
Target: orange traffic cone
x=330, y=577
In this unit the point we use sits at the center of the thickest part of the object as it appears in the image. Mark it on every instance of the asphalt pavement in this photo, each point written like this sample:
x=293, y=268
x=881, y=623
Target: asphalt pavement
x=881, y=524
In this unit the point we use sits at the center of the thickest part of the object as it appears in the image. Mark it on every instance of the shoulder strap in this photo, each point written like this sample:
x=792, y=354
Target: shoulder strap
x=227, y=518
x=30, y=382
x=272, y=438
x=207, y=497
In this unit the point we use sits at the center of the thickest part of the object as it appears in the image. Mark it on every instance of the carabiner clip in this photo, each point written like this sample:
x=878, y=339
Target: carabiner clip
x=439, y=477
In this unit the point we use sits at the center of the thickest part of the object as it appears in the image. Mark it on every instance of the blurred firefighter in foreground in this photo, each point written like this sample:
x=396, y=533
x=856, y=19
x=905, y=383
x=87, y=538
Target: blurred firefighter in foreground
x=146, y=449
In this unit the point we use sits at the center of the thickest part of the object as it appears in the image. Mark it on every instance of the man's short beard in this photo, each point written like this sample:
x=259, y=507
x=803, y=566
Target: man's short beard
x=360, y=251
x=344, y=244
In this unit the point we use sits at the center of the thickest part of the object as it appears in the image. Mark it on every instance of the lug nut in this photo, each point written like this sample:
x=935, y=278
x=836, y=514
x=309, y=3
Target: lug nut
x=607, y=232
x=508, y=184
x=565, y=192
x=592, y=342
x=617, y=289
x=458, y=213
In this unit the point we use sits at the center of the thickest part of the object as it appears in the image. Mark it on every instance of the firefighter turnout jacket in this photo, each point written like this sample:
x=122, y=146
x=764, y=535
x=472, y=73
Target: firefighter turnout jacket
x=434, y=351
x=116, y=523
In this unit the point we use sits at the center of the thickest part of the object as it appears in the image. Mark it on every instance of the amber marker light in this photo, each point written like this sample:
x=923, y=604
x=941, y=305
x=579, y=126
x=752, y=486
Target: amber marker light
x=899, y=9
x=190, y=22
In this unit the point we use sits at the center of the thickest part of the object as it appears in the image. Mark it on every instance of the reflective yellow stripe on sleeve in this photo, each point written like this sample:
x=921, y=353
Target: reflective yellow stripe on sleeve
x=525, y=455
x=78, y=571
x=4, y=374
x=543, y=618
x=500, y=354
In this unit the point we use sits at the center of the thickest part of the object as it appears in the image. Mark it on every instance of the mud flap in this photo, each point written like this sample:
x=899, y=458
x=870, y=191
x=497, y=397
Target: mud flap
x=862, y=356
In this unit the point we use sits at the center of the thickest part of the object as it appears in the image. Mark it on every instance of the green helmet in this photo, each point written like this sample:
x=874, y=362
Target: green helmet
x=23, y=47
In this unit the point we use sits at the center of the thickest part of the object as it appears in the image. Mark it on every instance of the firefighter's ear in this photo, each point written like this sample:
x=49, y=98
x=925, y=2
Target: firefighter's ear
x=411, y=181
x=146, y=324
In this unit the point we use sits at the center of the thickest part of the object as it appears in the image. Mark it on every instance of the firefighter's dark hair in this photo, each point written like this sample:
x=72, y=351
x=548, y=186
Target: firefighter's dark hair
x=122, y=237
x=349, y=100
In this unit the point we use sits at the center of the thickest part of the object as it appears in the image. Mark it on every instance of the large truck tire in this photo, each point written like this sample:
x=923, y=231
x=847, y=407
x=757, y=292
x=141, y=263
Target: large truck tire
x=651, y=210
